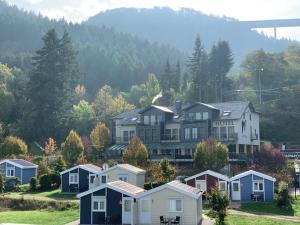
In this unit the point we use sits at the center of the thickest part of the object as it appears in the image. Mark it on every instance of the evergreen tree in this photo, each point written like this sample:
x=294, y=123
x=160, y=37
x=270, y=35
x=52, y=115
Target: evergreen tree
x=60, y=164
x=198, y=67
x=176, y=78
x=51, y=86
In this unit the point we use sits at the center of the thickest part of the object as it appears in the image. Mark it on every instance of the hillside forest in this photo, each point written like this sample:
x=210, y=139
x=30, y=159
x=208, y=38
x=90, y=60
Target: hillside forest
x=58, y=76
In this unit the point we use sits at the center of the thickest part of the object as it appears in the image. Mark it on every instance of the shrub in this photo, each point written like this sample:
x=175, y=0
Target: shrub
x=13, y=146
x=33, y=184
x=1, y=183
x=55, y=180
x=283, y=199
x=218, y=203
x=46, y=182
x=12, y=184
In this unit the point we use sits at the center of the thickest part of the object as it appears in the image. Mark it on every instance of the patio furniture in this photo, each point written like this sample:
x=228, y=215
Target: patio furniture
x=176, y=221
x=257, y=197
x=163, y=221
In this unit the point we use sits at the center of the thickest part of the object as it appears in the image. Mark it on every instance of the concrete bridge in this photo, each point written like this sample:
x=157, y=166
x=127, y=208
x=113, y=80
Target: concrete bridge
x=271, y=24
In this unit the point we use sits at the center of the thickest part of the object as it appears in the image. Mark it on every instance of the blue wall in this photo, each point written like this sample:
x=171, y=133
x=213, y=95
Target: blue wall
x=269, y=190
x=83, y=184
x=114, y=208
x=83, y=180
x=65, y=182
x=246, y=188
x=27, y=174
x=24, y=174
x=85, y=209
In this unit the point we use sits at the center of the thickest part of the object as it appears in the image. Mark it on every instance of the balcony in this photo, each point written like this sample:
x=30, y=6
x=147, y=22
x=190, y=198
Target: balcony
x=170, y=138
x=171, y=157
x=238, y=157
x=228, y=138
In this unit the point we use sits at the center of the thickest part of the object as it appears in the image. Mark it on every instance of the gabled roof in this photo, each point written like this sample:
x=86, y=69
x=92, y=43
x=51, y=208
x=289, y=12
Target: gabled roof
x=161, y=108
x=236, y=109
x=119, y=186
x=210, y=172
x=127, y=167
x=176, y=186
x=201, y=103
x=249, y=172
x=88, y=167
x=128, y=117
x=21, y=163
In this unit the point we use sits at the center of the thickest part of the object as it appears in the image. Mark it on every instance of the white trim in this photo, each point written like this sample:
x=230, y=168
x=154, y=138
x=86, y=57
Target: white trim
x=240, y=191
x=252, y=172
x=80, y=167
x=176, y=198
x=209, y=172
x=122, y=166
x=198, y=182
x=168, y=185
x=73, y=175
x=258, y=182
x=99, y=199
x=224, y=182
x=18, y=165
x=10, y=169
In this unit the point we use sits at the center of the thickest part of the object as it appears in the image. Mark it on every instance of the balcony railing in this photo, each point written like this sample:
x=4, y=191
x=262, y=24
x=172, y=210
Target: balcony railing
x=171, y=156
x=228, y=138
x=169, y=137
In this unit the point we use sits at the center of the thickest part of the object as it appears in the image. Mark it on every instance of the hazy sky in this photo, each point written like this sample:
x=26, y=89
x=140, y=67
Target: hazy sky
x=78, y=10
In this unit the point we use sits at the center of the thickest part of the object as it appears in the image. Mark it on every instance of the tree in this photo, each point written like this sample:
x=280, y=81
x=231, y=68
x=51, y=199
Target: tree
x=100, y=137
x=283, y=198
x=60, y=164
x=7, y=102
x=55, y=69
x=152, y=88
x=166, y=77
x=50, y=146
x=2, y=183
x=219, y=203
x=136, y=153
x=198, y=67
x=211, y=154
x=33, y=184
x=13, y=146
x=72, y=148
x=176, y=78
x=167, y=170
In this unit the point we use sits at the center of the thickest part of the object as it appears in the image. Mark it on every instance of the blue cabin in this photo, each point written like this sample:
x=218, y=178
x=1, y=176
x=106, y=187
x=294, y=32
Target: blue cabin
x=252, y=186
x=19, y=168
x=111, y=203
x=76, y=179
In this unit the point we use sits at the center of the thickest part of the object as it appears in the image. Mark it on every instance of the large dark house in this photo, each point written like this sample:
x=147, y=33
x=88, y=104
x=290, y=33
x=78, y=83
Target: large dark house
x=173, y=132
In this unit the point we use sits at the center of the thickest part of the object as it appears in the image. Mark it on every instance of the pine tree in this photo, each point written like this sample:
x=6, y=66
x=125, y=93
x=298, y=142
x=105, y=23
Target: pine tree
x=177, y=77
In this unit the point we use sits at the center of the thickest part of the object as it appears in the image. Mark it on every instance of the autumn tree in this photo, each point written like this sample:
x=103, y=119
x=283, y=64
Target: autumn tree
x=50, y=146
x=60, y=164
x=100, y=137
x=136, y=153
x=13, y=146
x=211, y=154
x=72, y=148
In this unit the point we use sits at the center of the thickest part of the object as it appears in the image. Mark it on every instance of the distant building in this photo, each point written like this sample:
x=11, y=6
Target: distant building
x=174, y=132
x=19, y=168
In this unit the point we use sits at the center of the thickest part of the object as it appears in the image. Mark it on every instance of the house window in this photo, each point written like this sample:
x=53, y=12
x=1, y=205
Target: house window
x=10, y=171
x=99, y=204
x=258, y=186
x=167, y=134
x=103, y=179
x=186, y=133
x=175, y=205
x=192, y=116
x=131, y=134
x=231, y=132
x=123, y=177
x=222, y=186
x=194, y=133
x=153, y=119
x=235, y=187
x=159, y=118
x=215, y=132
x=125, y=136
x=175, y=134
x=205, y=115
x=73, y=178
x=146, y=119
x=201, y=184
x=198, y=116
x=223, y=133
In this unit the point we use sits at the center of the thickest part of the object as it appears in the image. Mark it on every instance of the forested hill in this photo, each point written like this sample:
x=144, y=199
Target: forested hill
x=105, y=56
x=179, y=28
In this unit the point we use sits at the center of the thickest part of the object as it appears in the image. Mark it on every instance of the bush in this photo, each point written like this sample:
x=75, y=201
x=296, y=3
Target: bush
x=33, y=184
x=283, y=199
x=35, y=204
x=13, y=146
x=46, y=182
x=55, y=180
x=218, y=203
x=1, y=183
x=12, y=184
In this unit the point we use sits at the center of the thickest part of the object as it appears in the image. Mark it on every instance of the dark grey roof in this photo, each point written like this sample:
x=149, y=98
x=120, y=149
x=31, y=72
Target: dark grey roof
x=22, y=162
x=161, y=108
x=129, y=117
x=235, y=109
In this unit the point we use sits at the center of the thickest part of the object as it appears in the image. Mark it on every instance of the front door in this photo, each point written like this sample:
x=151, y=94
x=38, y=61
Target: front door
x=145, y=211
x=236, y=190
x=127, y=211
x=92, y=181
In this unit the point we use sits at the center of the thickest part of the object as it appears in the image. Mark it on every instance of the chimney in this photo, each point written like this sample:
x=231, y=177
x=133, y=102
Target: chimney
x=178, y=105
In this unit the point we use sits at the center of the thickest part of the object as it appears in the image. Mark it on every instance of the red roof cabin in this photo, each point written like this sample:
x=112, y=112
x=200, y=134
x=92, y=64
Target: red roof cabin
x=207, y=180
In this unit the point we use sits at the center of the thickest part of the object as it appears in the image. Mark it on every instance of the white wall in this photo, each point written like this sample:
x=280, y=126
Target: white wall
x=121, y=128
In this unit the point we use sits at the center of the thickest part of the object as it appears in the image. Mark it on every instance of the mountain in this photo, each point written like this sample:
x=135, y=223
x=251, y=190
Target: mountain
x=179, y=28
x=105, y=55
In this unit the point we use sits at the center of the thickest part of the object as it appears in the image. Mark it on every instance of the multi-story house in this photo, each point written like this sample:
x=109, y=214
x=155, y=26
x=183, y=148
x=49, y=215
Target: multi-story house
x=174, y=132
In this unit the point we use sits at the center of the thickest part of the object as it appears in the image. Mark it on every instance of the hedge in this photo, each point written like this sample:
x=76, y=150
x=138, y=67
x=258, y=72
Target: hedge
x=35, y=204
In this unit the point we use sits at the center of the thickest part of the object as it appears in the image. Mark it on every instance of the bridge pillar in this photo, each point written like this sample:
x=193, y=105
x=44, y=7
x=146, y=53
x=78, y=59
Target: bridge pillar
x=275, y=32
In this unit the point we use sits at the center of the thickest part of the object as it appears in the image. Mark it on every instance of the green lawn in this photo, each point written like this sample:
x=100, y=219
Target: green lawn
x=271, y=207
x=39, y=217
x=55, y=194
x=250, y=220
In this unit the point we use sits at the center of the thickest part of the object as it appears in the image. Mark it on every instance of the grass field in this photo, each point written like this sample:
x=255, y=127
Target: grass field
x=271, y=207
x=39, y=217
x=55, y=194
x=250, y=220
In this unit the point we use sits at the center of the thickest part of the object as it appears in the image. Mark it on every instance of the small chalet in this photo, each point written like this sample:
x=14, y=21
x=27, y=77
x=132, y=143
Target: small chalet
x=207, y=180
x=76, y=179
x=19, y=168
x=111, y=203
x=252, y=185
